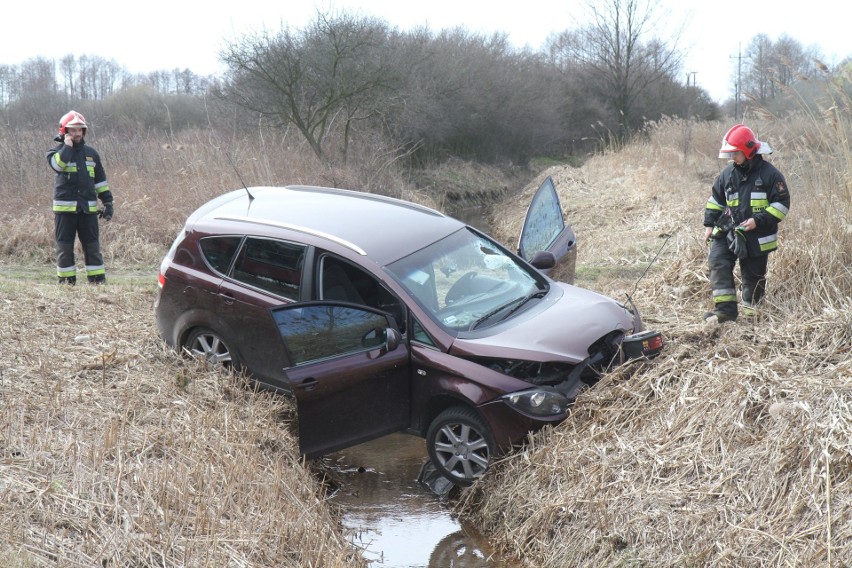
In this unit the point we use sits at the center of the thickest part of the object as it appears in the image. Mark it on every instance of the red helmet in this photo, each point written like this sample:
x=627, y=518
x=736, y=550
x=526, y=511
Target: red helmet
x=740, y=138
x=72, y=118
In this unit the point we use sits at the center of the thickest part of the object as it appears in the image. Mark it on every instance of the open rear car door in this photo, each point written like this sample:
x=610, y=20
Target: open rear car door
x=545, y=231
x=349, y=371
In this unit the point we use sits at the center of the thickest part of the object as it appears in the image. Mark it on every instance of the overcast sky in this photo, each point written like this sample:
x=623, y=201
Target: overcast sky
x=164, y=35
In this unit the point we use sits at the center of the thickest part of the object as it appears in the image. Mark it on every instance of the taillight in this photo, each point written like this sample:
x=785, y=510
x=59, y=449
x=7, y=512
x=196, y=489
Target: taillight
x=653, y=344
x=161, y=279
x=646, y=344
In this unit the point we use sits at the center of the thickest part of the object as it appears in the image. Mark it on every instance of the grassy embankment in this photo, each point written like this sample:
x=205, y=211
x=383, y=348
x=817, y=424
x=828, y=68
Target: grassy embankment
x=734, y=448
x=114, y=451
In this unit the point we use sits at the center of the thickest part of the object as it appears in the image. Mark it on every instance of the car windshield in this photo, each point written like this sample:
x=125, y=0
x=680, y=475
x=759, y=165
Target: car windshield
x=467, y=282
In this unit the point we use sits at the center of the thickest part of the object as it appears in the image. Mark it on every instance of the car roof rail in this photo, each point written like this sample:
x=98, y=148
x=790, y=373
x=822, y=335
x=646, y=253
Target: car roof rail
x=365, y=195
x=298, y=228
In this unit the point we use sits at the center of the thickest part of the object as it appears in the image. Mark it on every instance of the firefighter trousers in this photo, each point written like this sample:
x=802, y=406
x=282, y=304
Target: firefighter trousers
x=68, y=227
x=721, y=262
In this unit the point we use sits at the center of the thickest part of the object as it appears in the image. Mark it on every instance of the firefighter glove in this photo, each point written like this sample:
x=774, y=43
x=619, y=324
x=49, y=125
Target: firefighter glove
x=737, y=243
x=106, y=214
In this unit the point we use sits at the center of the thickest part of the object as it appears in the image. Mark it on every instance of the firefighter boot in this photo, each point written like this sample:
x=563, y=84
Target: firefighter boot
x=722, y=312
x=97, y=279
x=718, y=317
x=70, y=280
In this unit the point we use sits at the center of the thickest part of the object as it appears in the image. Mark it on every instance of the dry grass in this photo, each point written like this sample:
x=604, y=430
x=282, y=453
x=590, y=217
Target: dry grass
x=735, y=447
x=157, y=183
x=116, y=452
x=732, y=449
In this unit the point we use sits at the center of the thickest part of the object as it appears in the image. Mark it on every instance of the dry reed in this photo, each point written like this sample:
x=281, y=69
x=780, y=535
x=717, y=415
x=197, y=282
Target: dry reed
x=157, y=182
x=734, y=448
x=117, y=452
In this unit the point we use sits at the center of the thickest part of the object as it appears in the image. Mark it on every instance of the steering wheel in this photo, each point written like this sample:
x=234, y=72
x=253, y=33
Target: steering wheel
x=463, y=287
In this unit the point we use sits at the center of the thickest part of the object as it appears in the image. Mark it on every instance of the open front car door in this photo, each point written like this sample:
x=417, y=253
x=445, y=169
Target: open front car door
x=546, y=241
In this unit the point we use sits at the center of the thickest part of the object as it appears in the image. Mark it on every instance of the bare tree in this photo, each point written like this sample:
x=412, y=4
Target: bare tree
x=8, y=79
x=67, y=68
x=774, y=67
x=620, y=58
x=38, y=77
x=334, y=68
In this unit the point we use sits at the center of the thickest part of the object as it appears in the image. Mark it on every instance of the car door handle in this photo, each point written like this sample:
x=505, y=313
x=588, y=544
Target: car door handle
x=227, y=298
x=309, y=383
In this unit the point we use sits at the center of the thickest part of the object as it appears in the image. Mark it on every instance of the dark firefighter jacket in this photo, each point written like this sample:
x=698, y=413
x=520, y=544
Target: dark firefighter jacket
x=80, y=179
x=756, y=189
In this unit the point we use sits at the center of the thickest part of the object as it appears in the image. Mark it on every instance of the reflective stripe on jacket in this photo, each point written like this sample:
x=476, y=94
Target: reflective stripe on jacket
x=757, y=190
x=80, y=179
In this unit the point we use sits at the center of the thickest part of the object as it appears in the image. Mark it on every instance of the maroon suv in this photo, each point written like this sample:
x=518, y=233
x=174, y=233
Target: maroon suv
x=381, y=315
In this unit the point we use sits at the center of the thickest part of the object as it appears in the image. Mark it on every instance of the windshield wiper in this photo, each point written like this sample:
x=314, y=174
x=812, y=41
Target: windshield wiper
x=516, y=302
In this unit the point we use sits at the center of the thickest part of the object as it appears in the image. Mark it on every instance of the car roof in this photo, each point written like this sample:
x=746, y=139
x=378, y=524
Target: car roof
x=383, y=228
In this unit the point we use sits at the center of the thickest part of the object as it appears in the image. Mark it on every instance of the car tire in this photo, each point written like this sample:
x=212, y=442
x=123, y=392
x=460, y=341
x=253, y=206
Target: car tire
x=208, y=346
x=460, y=445
x=456, y=549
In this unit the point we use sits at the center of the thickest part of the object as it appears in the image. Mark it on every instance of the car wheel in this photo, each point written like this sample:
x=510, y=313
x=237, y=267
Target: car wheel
x=456, y=549
x=460, y=445
x=208, y=346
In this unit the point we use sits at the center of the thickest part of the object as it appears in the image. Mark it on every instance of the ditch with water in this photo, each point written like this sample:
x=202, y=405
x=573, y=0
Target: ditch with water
x=394, y=520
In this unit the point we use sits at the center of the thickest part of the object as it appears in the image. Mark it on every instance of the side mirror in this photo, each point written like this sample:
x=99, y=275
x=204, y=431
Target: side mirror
x=393, y=339
x=543, y=260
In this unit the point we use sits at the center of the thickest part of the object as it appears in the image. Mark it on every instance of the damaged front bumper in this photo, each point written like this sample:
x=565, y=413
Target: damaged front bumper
x=647, y=344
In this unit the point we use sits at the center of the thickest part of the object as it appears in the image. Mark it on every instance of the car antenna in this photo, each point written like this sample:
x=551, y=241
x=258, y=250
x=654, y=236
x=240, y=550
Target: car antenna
x=239, y=177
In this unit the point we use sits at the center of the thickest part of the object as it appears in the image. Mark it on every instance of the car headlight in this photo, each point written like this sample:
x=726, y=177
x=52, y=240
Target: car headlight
x=540, y=401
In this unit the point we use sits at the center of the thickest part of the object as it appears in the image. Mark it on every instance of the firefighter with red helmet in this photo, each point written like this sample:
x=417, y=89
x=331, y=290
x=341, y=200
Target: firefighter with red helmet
x=748, y=201
x=80, y=182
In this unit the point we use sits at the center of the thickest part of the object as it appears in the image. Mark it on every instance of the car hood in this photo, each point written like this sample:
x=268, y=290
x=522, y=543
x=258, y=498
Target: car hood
x=561, y=327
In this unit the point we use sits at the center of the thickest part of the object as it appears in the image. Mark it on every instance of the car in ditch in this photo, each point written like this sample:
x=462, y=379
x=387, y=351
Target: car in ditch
x=380, y=315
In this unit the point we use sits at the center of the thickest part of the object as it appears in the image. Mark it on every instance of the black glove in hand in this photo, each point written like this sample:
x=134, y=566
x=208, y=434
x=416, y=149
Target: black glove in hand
x=106, y=214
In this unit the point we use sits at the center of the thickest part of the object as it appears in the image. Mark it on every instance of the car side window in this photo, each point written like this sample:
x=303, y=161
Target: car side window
x=339, y=280
x=317, y=332
x=419, y=334
x=543, y=223
x=271, y=265
x=219, y=251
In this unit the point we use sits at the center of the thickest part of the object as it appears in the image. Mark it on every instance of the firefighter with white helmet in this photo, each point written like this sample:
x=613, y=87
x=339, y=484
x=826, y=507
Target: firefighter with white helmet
x=749, y=199
x=80, y=182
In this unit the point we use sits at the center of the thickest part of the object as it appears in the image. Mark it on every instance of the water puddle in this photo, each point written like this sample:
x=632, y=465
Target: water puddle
x=393, y=520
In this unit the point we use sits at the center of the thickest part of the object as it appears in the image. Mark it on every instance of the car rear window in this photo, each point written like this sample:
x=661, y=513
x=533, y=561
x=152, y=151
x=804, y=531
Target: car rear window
x=219, y=251
x=271, y=265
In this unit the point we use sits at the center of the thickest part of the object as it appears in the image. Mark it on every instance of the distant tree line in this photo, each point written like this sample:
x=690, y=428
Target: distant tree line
x=38, y=91
x=345, y=79
x=457, y=93
x=87, y=78
x=776, y=75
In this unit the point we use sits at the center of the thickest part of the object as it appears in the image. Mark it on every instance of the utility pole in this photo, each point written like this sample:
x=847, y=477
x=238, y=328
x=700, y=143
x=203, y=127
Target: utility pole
x=693, y=73
x=738, y=85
